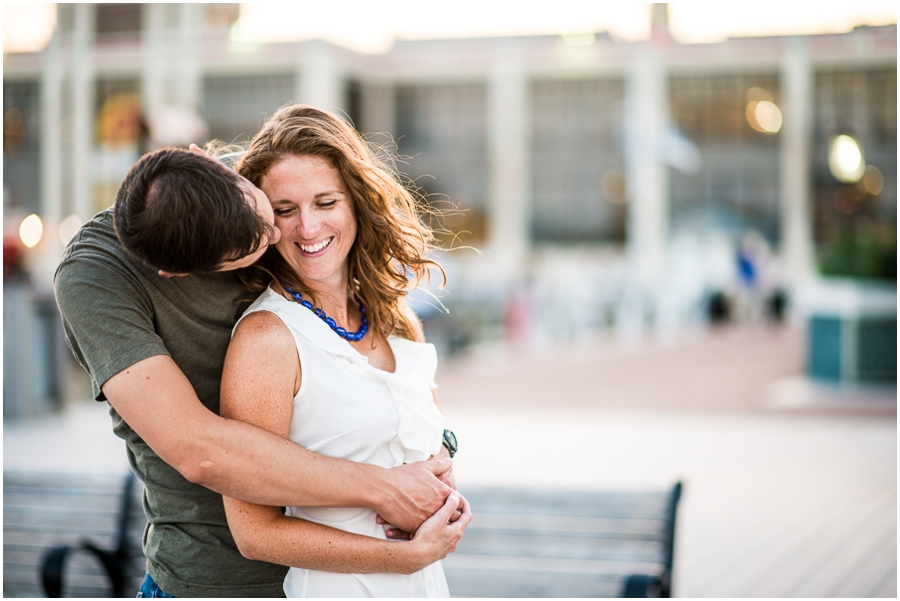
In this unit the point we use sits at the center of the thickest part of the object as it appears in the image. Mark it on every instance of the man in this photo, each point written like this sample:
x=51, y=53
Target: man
x=149, y=314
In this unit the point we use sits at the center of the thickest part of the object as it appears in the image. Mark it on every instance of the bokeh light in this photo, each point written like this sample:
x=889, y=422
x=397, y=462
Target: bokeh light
x=12, y=121
x=846, y=160
x=768, y=116
x=31, y=230
x=27, y=26
x=873, y=180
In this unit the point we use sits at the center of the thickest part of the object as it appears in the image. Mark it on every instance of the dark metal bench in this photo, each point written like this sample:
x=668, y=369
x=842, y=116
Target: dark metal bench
x=557, y=543
x=67, y=535
x=72, y=535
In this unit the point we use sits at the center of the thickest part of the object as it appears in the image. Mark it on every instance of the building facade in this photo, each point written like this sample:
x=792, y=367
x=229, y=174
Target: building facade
x=617, y=180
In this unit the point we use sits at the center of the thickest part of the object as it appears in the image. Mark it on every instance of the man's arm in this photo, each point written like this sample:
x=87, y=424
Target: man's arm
x=240, y=460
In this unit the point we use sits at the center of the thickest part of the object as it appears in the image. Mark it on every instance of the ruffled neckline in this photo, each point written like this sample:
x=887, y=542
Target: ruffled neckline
x=318, y=332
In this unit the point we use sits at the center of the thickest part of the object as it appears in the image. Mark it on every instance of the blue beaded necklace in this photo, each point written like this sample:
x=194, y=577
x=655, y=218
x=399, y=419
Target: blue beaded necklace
x=343, y=333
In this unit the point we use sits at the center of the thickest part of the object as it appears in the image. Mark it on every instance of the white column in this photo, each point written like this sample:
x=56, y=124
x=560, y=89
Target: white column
x=187, y=68
x=51, y=150
x=82, y=109
x=156, y=57
x=797, y=249
x=318, y=81
x=646, y=176
x=508, y=136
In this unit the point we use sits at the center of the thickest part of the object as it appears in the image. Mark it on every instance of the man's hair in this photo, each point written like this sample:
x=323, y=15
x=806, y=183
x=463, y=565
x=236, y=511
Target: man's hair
x=184, y=212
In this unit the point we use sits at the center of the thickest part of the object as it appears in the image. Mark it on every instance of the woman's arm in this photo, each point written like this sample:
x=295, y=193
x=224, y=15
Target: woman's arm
x=261, y=376
x=264, y=534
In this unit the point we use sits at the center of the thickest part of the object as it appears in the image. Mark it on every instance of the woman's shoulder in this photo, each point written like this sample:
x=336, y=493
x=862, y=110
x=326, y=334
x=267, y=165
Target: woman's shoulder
x=262, y=317
x=262, y=325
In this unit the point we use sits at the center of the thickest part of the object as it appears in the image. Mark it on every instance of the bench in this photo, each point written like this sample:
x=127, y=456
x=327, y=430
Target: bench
x=556, y=543
x=77, y=535
x=72, y=535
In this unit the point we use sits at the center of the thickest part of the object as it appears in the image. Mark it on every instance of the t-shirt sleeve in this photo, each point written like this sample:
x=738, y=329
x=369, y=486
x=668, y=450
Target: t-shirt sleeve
x=107, y=317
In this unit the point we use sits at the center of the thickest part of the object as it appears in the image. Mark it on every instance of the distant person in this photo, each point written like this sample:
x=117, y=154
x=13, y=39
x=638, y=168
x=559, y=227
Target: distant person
x=154, y=345
x=329, y=357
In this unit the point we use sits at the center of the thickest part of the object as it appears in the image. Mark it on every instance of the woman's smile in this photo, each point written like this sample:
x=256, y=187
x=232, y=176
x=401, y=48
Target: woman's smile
x=313, y=249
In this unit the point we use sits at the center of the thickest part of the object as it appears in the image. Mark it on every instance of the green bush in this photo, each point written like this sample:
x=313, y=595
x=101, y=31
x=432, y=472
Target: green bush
x=868, y=252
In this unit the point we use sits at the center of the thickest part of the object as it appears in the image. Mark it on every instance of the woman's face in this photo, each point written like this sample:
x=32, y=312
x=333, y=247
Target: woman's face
x=315, y=214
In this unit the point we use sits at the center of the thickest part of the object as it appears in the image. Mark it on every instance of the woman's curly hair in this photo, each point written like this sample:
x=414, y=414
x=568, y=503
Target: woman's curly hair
x=388, y=258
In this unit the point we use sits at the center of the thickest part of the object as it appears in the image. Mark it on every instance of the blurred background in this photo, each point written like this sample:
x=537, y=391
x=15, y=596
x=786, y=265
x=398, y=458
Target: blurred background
x=685, y=221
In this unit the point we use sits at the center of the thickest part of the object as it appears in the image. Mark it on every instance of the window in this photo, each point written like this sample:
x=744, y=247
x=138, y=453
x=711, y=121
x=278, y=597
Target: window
x=736, y=188
x=236, y=106
x=577, y=161
x=863, y=104
x=855, y=222
x=441, y=133
x=118, y=20
x=21, y=133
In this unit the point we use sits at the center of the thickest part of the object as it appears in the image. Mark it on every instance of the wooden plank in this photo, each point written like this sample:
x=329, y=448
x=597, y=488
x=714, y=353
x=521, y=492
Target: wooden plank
x=888, y=588
x=849, y=540
x=811, y=505
x=877, y=563
x=538, y=565
x=565, y=502
x=528, y=585
x=479, y=543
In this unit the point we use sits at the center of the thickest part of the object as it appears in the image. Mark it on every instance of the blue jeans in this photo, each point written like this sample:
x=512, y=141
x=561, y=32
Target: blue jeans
x=149, y=590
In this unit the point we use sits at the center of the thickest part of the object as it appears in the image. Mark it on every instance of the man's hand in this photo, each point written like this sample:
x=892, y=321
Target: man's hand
x=413, y=493
x=448, y=477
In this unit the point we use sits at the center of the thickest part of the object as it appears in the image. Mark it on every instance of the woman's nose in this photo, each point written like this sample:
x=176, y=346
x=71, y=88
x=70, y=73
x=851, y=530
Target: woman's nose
x=308, y=226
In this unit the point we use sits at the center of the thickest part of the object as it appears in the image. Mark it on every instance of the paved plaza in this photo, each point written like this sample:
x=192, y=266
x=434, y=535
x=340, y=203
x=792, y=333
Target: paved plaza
x=790, y=486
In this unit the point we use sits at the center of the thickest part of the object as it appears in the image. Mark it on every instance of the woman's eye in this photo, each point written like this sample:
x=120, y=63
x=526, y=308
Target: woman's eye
x=327, y=204
x=282, y=212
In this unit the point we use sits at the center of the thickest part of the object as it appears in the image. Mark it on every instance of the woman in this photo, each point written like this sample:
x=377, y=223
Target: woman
x=328, y=357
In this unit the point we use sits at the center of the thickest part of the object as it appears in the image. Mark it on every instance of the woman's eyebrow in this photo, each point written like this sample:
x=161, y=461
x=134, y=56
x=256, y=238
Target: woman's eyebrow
x=328, y=193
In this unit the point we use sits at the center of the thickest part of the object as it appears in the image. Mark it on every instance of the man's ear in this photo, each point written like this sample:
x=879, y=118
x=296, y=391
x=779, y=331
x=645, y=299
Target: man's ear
x=166, y=274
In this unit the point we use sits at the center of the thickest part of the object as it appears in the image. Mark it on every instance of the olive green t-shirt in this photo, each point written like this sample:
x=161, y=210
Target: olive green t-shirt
x=117, y=311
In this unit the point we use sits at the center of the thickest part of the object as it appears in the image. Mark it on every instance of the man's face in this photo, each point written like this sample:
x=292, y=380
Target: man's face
x=261, y=203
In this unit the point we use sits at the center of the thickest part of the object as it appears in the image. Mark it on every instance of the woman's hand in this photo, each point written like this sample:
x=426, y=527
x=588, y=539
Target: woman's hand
x=438, y=536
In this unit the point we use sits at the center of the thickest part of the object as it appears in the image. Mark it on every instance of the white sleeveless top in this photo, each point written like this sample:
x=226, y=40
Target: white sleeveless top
x=346, y=408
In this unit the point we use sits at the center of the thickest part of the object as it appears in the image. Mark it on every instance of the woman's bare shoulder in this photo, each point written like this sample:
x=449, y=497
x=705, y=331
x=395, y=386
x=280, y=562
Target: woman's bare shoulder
x=262, y=329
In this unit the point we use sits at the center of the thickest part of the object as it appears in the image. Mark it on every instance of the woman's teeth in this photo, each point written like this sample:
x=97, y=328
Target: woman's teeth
x=315, y=247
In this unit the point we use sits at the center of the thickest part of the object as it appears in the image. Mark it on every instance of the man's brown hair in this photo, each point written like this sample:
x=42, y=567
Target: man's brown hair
x=183, y=212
